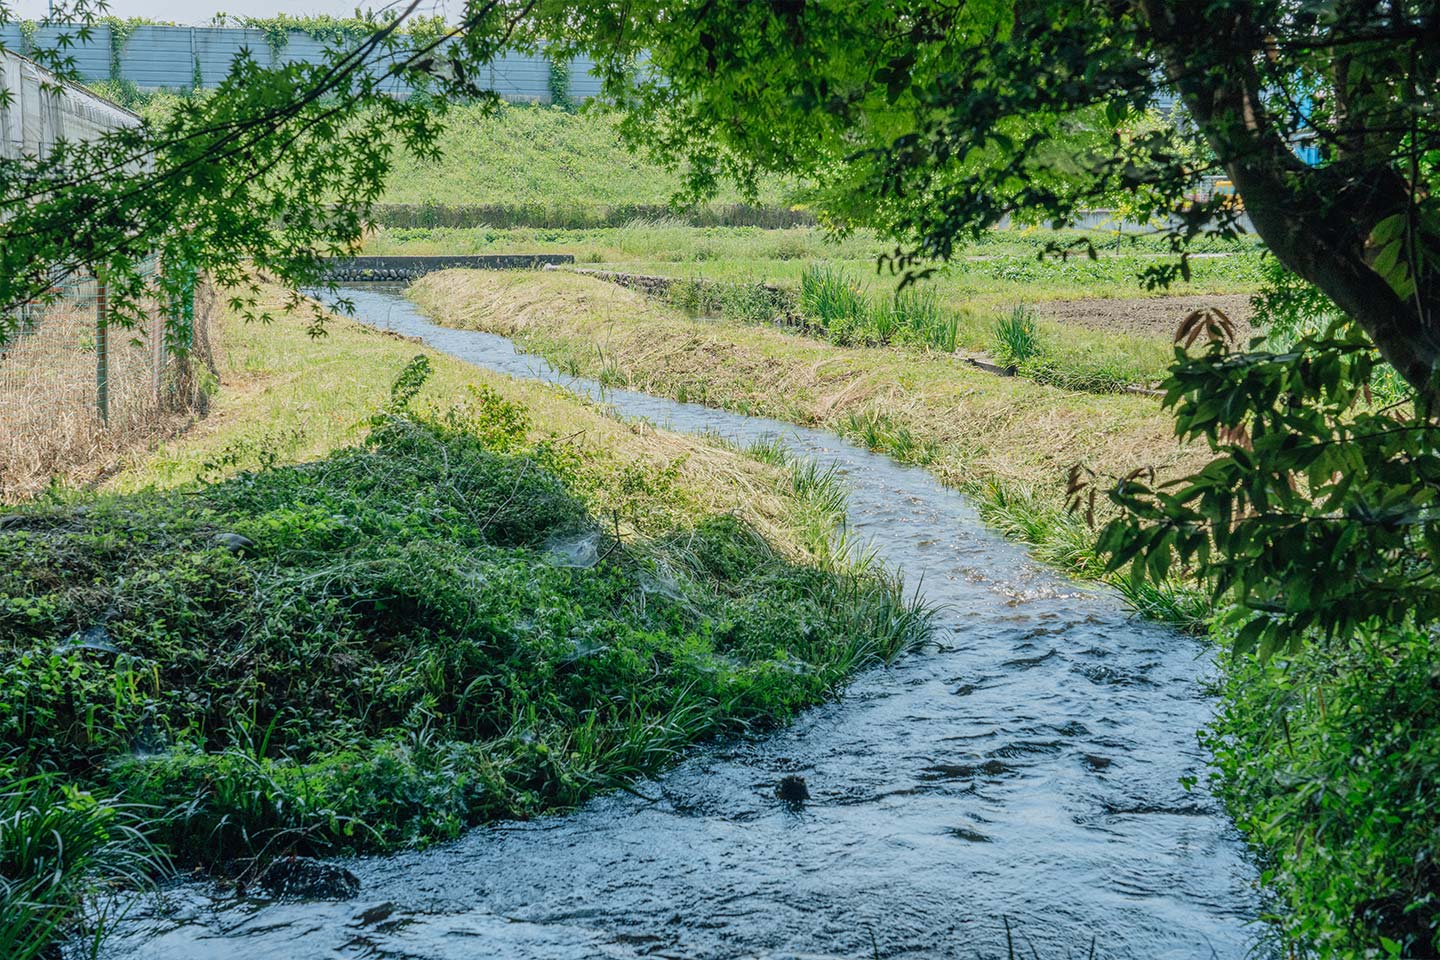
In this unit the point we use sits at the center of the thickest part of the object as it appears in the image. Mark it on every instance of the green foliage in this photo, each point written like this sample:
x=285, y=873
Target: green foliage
x=1289, y=309
x=1318, y=514
x=330, y=30
x=410, y=636
x=1016, y=337
x=121, y=30
x=830, y=299
x=59, y=848
x=557, y=81
x=272, y=171
x=1328, y=761
x=743, y=302
x=837, y=306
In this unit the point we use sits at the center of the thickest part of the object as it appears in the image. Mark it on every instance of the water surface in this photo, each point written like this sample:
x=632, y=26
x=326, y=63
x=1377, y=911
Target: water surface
x=1027, y=767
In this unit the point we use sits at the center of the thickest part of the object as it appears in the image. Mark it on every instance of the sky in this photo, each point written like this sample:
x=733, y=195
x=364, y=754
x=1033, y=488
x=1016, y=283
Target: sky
x=202, y=11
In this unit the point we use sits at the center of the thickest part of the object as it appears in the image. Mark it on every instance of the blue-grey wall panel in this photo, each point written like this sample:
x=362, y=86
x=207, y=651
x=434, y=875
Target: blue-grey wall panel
x=158, y=57
x=173, y=57
x=583, y=82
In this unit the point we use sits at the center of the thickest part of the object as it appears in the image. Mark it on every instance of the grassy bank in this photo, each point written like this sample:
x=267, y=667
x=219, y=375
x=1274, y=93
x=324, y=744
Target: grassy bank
x=342, y=616
x=540, y=157
x=976, y=293
x=1001, y=267
x=1008, y=443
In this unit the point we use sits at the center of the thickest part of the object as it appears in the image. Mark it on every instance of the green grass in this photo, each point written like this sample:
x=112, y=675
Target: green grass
x=407, y=643
x=335, y=618
x=835, y=286
x=62, y=853
x=539, y=157
x=1017, y=338
x=1006, y=442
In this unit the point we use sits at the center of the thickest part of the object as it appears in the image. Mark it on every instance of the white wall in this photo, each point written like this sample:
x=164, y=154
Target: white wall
x=36, y=111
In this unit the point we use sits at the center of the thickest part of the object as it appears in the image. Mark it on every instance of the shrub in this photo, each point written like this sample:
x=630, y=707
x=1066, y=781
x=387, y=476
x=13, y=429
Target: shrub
x=1328, y=762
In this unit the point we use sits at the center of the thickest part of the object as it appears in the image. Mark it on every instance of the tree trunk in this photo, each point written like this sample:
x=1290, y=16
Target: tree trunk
x=1316, y=221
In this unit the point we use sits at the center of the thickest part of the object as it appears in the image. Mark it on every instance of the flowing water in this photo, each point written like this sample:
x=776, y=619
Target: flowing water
x=1026, y=767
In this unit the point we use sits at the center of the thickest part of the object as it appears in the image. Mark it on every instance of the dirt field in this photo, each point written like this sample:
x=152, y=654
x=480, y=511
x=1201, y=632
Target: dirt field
x=1146, y=315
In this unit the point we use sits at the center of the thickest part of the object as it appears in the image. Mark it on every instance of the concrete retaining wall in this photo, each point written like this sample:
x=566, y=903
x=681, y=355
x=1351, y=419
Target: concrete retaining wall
x=390, y=269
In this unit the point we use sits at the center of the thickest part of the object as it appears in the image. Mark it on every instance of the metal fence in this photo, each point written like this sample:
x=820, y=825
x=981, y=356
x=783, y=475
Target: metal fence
x=75, y=386
x=183, y=58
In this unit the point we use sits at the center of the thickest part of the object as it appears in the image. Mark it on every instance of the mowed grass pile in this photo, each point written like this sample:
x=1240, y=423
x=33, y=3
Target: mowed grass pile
x=1007, y=442
x=494, y=601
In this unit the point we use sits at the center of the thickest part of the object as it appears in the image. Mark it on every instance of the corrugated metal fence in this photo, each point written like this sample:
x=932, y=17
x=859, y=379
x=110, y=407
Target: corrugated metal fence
x=33, y=115
x=181, y=58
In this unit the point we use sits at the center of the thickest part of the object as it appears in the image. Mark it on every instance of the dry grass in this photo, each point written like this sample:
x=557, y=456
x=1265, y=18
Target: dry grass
x=287, y=398
x=50, y=428
x=968, y=426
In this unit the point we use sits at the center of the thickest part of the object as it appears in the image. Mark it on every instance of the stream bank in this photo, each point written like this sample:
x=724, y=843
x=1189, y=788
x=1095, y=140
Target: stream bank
x=1027, y=768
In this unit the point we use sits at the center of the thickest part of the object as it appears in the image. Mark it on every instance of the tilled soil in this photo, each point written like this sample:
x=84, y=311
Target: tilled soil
x=1147, y=315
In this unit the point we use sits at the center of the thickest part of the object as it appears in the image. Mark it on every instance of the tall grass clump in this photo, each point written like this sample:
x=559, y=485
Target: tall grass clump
x=741, y=302
x=61, y=852
x=921, y=319
x=1016, y=337
x=836, y=305
x=830, y=299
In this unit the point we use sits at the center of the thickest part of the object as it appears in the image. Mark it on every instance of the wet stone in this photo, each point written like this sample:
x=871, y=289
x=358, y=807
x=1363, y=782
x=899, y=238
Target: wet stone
x=792, y=790
x=966, y=833
x=304, y=878
x=376, y=914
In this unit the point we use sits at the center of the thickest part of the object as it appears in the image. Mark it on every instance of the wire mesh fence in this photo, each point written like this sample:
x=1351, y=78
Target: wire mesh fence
x=75, y=386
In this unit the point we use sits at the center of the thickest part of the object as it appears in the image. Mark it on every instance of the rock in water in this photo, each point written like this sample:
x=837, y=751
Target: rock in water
x=793, y=791
x=305, y=878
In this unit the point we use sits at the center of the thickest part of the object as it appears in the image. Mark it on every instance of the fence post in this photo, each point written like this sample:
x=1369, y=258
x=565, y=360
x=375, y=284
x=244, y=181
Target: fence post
x=157, y=357
x=102, y=352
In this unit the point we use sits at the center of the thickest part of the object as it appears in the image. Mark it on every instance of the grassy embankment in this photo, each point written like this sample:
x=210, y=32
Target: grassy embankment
x=976, y=296
x=546, y=167
x=336, y=616
x=1006, y=442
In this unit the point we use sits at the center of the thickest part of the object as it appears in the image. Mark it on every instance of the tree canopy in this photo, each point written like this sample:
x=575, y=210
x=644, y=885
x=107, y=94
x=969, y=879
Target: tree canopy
x=934, y=120
x=268, y=174
x=930, y=120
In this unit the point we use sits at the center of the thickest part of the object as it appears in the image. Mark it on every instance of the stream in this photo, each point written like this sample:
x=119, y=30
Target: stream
x=1024, y=768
